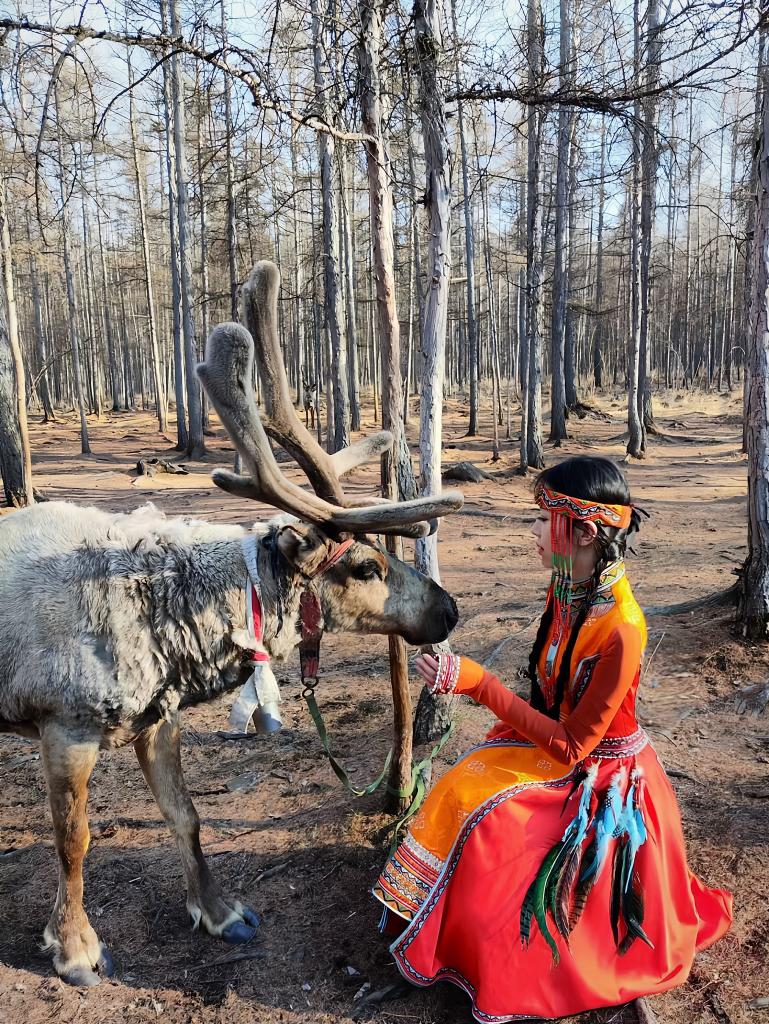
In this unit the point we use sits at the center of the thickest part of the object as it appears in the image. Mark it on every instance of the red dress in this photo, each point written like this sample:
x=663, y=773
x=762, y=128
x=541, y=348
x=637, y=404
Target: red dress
x=546, y=873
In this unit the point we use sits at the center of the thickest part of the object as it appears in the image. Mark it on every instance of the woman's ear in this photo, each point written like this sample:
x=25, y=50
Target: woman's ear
x=587, y=534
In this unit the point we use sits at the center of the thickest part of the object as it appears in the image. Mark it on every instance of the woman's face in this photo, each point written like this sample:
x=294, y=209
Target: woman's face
x=541, y=530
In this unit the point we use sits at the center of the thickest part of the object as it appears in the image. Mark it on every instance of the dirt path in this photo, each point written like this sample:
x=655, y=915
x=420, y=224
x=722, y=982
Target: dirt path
x=304, y=854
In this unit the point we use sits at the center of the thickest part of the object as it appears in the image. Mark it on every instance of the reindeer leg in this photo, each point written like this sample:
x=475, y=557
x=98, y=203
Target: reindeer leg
x=68, y=760
x=159, y=754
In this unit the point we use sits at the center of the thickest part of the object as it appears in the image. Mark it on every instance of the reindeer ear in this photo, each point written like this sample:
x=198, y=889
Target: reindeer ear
x=303, y=546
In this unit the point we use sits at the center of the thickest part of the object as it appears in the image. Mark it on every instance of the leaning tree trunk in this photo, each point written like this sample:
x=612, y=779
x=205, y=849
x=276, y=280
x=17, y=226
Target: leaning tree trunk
x=754, y=605
x=15, y=455
x=433, y=715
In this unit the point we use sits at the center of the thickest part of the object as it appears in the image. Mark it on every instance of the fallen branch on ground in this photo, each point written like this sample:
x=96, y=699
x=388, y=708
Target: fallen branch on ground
x=721, y=597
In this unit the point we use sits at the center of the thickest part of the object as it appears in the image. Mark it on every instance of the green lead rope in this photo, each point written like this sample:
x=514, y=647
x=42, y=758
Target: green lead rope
x=417, y=787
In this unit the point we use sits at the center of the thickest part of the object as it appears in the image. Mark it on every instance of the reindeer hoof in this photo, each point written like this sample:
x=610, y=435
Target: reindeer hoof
x=243, y=931
x=81, y=977
x=105, y=964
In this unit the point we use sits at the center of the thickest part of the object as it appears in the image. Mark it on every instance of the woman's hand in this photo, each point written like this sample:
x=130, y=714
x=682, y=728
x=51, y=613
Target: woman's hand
x=440, y=673
x=427, y=667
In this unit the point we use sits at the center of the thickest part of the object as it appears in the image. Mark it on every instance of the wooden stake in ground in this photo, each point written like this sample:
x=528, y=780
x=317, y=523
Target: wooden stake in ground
x=754, y=606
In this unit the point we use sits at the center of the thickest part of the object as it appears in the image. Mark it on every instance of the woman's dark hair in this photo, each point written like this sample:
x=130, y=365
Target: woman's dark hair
x=590, y=478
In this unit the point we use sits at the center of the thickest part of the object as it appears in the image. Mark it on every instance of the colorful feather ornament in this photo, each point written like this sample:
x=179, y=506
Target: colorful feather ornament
x=627, y=894
x=607, y=824
x=550, y=892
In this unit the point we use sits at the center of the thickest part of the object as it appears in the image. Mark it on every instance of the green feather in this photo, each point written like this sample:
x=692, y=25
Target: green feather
x=534, y=902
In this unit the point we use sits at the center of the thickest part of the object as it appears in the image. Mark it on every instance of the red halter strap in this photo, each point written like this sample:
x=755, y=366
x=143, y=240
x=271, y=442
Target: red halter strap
x=332, y=558
x=310, y=617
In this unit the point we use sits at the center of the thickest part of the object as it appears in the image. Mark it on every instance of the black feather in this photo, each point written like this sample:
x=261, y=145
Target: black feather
x=618, y=870
x=633, y=912
x=564, y=892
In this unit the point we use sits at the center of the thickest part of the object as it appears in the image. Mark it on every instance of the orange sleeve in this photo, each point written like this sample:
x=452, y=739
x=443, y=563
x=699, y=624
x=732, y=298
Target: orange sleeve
x=577, y=735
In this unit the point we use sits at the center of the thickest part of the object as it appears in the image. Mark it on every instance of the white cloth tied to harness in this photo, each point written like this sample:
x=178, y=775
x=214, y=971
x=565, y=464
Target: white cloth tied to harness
x=258, y=700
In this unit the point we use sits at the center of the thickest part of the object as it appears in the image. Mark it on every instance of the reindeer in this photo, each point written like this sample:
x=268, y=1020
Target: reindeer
x=308, y=400
x=111, y=624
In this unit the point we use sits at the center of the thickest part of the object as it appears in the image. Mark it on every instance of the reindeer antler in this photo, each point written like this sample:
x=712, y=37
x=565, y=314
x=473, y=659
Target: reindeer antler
x=260, y=315
x=226, y=375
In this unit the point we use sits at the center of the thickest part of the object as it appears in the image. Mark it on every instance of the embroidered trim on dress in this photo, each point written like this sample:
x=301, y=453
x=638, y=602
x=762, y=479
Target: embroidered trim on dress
x=612, y=747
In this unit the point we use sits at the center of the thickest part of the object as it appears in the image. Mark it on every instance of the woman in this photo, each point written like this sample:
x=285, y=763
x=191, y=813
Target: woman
x=546, y=873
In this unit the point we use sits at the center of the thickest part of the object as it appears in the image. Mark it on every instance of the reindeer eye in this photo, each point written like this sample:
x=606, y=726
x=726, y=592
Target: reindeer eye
x=368, y=571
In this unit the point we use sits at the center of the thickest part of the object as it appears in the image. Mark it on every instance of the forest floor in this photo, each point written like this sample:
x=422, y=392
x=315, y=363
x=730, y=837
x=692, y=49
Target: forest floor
x=294, y=845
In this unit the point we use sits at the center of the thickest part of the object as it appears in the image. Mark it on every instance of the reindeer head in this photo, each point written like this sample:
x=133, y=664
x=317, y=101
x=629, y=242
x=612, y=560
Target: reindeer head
x=367, y=590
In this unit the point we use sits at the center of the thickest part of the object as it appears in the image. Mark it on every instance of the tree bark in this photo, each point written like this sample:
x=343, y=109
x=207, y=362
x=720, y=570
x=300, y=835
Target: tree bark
x=182, y=433
x=561, y=270
x=754, y=605
x=17, y=476
x=72, y=310
x=195, y=440
x=649, y=161
x=160, y=393
x=635, y=445
x=534, y=242
x=334, y=314
x=472, y=325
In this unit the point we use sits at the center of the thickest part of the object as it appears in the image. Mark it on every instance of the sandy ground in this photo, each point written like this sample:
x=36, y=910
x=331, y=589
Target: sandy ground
x=294, y=845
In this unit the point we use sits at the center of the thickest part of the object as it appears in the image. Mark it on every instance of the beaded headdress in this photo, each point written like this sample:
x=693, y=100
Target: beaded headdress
x=565, y=510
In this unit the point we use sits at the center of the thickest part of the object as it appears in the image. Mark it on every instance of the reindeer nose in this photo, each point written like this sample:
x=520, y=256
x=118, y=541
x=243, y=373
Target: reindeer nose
x=452, y=613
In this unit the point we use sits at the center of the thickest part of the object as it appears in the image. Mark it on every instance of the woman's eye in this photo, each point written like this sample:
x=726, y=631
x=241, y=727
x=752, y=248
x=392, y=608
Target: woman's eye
x=367, y=571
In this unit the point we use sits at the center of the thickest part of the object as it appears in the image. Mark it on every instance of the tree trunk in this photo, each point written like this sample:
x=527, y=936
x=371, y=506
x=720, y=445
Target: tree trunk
x=334, y=314
x=635, y=445
x=195, y=442
x=72, y=310
x=472, y=326
x=561, y=270
x=182, y=433
x=347, y=224
x=649, y=160
x=534, y=244
x=754, y=606
x=17, y=478
x=433, y=713
x=381, y=216
x=160, y=393
x=428, y=44
x=232, y=238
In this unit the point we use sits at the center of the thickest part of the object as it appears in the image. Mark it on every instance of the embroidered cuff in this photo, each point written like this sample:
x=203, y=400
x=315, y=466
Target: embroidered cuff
x=456, y=674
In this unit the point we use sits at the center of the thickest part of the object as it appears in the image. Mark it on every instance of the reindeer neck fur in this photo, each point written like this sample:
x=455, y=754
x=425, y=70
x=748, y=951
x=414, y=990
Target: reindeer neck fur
x=281, y=590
